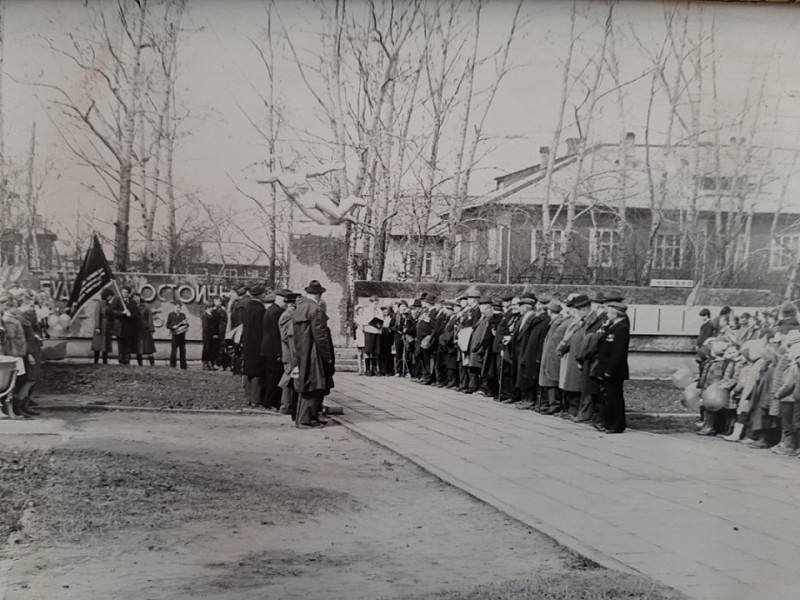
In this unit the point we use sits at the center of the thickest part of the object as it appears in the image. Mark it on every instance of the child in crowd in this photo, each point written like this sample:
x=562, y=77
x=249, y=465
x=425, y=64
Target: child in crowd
x=719, y=369
x=178, y=326
x=358, y=336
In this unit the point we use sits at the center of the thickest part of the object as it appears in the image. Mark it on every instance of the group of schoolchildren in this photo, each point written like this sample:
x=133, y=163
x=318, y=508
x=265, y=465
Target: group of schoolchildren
x=755, y=360
x=22, y=328
x=566, y=358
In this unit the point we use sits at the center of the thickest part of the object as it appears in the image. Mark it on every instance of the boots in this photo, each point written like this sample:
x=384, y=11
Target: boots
x=105, y=358
x=152, y=360
x=787, y=446
x=738, y=429
x=96, y=358
x=139, y=360
x=708, y=425
x=368, y=367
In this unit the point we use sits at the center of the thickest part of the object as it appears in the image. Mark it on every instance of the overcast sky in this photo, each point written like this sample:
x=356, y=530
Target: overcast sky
x=217, y=62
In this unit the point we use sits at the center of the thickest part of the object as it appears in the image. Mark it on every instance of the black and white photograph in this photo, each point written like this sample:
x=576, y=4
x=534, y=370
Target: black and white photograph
x=399, y=299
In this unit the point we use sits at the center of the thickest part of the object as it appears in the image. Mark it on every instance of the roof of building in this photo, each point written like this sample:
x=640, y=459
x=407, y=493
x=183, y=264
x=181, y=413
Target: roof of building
x=769, y=178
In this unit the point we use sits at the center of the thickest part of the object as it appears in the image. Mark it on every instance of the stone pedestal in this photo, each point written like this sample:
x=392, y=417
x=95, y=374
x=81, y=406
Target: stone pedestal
x=317, y=252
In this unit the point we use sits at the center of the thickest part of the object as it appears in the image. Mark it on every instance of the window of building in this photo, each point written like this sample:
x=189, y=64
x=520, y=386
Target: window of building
x=231, y=272
x=493, y=246
x=409, y=263
x=556, y=245
x=667, y=247
x=602, y=247
x=254, y=273
x=784, y=250
x=427, y=265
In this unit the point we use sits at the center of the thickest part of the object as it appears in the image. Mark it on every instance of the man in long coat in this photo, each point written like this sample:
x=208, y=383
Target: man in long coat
x=531, y=357
x=288, y=357
x=519, y=342
x=591, y=394
x=505, y=360
x=551, y=359
x=480, y=343
x=271, y=350
x=424, y=329
x=573, y=386
x=447, y=351
x=315, y=356
x=613, y=365
x=252, y=336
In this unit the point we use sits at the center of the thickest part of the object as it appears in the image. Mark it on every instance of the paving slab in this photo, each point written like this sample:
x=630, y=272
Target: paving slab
x=710, y=518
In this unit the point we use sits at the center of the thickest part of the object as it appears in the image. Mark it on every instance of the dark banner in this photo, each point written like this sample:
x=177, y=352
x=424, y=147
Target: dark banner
x=95, y=274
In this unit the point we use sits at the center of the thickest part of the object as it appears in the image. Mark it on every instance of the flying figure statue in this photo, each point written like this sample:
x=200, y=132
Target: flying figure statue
x=316, y=206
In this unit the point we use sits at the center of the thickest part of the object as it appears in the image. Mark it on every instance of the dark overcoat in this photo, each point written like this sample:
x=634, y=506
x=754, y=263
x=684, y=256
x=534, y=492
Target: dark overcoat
x=612, y=355
x=252, y=334
x=481, y=335
x=103, y=327
x=271, y=336
x=530, y=356
x=144, y=330
x=314, y=348
x=594, y=322
x=447, y=343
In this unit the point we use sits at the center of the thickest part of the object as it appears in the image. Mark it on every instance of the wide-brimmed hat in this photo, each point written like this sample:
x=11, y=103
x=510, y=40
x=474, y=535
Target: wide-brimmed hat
x=497, y=303
x=315, y=288
x=417, y=303
x=507, y=298
x=527, y=301
x=530, y=296
x=621, y=306
x=788, y=309
x=581, y=300
x=242, y=290
x=484, y=300
x=554, y=305
x=429, y=298
x=449, y=304
x=612, y=295
x=288, y=294
x=257, y=290
x=270, y=297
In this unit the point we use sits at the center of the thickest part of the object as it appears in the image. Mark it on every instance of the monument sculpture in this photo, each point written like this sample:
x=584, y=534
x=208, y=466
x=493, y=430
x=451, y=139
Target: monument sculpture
x=315, y=205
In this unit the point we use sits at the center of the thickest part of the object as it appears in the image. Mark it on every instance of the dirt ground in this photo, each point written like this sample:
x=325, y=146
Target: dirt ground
x=154, y=506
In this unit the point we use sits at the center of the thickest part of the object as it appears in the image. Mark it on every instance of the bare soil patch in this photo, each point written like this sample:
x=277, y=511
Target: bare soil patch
x=150, y=505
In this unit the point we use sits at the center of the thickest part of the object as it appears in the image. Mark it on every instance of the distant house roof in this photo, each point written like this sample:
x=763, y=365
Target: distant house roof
x=770, y=177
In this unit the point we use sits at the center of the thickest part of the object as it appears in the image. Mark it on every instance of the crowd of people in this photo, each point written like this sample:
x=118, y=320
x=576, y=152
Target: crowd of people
x=563, y=358
x=748, y=387
x=284, y=350
x=23, y=325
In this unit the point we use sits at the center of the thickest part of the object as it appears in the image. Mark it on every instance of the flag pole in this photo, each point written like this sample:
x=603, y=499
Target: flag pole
x=119, y=293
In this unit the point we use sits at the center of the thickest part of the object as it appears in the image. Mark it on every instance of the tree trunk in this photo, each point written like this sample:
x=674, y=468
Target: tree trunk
x=32, y=244
x=122, y=225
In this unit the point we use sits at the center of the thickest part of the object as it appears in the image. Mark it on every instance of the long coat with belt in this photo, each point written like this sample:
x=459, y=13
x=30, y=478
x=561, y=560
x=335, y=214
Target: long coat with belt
x=103, y=327
x=570, y=324
x=252, y=334
x=551, y=360
x=314, y=348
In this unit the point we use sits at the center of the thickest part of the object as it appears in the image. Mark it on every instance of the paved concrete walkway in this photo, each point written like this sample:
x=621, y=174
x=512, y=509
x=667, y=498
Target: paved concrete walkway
x=713, y=519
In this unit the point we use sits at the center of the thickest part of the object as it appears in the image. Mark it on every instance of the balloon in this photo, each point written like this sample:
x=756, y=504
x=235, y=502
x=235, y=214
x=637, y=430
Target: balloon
x=64, y=320
x=714, y=398
x=681, y=378
x=691, y=397
x=52, y=321
x=753, y=349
